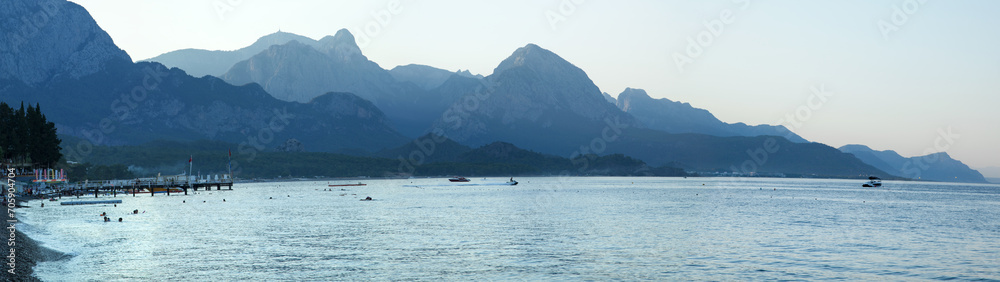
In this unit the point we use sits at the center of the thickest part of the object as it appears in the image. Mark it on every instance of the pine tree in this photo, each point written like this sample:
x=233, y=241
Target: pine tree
x=50, y=151
x=25, y=134
x=6, y=131
x=19, y=130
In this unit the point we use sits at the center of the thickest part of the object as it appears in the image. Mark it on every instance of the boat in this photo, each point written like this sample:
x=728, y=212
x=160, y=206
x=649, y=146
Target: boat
x=873, y=182
x=511, y=183
x=342, y=185
x=458, y=179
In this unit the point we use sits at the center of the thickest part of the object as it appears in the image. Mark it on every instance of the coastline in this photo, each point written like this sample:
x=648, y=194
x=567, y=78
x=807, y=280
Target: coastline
x=26, y=253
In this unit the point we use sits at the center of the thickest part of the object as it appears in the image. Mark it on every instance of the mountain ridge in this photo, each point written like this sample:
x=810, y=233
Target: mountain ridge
x=934, y=167
x=200, y=62
x=676, y=117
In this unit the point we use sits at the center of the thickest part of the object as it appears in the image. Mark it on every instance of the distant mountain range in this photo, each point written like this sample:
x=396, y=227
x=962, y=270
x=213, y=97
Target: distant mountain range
x=197, y=62
x=329, y=97
x=426, y=77
x=677, y=117
x=535, y=99
x=935, y=167
x=96, y=92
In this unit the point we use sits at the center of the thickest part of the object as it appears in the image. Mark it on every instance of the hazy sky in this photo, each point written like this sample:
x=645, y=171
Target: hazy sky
x=897, y=75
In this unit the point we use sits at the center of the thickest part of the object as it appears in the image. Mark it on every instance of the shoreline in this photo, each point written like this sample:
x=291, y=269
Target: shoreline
x=26, y=252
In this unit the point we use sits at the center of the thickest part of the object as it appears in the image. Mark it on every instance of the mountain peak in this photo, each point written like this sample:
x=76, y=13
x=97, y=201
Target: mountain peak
x=277, y=38
x=344, y=34
x=634, y=93
x=538, y=59
x=341, y=46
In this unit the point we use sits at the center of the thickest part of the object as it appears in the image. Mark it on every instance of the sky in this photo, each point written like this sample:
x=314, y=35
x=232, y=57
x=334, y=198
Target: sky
x=914, y=76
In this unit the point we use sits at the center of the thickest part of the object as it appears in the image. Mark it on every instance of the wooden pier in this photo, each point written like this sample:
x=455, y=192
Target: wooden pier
x=152, y=186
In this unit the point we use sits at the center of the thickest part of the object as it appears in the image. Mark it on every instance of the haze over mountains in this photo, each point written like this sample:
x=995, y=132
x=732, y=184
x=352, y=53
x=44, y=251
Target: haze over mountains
x=198, y=63
x=936, y=167
x=332, y=98
x=677, y=117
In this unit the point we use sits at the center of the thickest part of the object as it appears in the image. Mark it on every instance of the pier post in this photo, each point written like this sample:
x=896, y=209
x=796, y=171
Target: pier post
x=97, y=190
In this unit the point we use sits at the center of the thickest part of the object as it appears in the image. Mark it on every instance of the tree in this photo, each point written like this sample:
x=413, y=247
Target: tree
x=6, y=131
x=25, y=134
x=19, y=127
x=43, y=143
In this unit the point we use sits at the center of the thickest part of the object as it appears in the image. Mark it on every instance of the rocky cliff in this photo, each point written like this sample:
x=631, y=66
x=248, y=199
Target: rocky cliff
x=43, y=40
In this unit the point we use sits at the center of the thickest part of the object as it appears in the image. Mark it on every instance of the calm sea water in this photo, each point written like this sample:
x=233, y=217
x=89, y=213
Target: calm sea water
x=543, y=229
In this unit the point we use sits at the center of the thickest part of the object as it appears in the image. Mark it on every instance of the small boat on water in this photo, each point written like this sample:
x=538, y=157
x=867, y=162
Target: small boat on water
x=458, y=179
x=873, y=182
x=511, y=183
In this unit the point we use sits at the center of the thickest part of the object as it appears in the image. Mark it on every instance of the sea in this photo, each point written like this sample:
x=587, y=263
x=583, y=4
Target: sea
x=547, y=228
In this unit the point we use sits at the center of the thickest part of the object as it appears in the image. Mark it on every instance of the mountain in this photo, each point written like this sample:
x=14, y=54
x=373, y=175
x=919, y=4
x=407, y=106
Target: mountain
x=45, y=40
x=299, y=72
x=535, y=99
x=506, y=153
x=181, y=107
x=767, y=155
x=541, y=102
x=446, y=157
x=677, y=117
x=429, y=148
x=101, y=96
x=198, y=62
x=610, y=99
x=934, y=167
x=426, y=77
